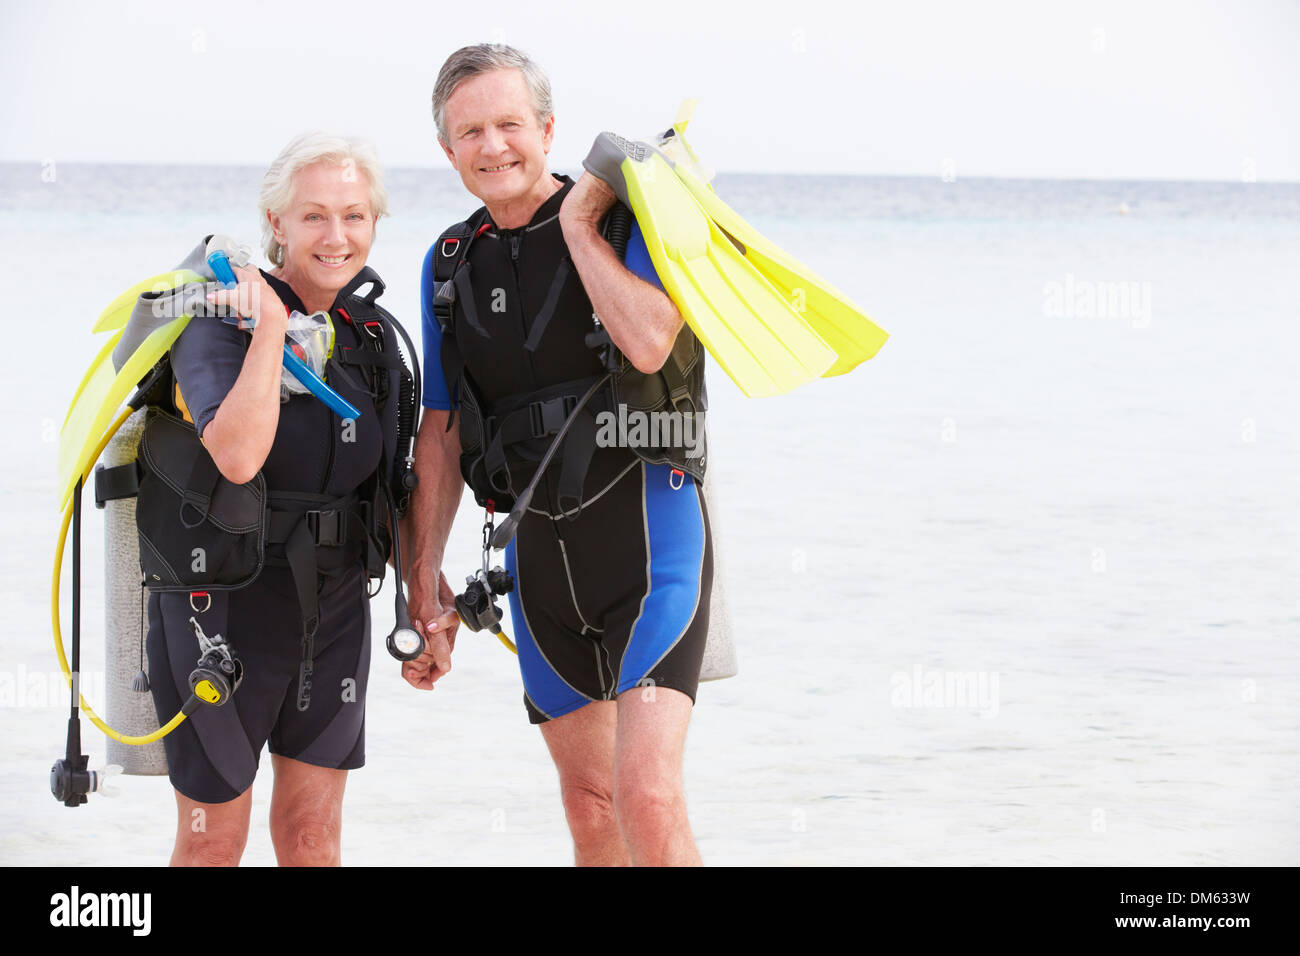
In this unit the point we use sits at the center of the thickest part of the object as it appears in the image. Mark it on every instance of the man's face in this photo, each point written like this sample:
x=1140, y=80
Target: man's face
x=496, y=142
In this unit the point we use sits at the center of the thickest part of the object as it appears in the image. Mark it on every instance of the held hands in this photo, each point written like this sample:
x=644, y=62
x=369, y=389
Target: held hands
x=254, y=300
x=437, y=622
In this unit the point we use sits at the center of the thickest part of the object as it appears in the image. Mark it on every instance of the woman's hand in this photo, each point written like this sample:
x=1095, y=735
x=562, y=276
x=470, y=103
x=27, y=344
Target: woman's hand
x=437, y=622
x=254, y=300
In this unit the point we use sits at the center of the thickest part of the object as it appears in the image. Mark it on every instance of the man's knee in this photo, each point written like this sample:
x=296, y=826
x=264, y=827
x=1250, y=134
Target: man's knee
x=589, y=807
x=644, y=799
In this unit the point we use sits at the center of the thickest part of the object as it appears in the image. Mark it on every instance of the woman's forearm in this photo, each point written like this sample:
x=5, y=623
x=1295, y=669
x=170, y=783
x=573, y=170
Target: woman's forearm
x=240, y=435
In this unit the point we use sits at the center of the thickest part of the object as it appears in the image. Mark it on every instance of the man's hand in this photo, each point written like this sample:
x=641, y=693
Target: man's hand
x=437, y=623
x=585, y=206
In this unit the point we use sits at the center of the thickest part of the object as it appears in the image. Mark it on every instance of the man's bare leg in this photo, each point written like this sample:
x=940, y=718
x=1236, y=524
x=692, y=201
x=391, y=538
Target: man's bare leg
x=649, y=794
x=582, y=745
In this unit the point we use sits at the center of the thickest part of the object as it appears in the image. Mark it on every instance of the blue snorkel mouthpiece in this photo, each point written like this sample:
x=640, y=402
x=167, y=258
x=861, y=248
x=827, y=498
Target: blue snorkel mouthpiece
x=219, y=250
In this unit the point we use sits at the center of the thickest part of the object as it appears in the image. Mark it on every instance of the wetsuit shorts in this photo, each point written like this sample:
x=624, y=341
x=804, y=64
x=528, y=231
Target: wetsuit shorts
x=213, y=756
x=616, y=598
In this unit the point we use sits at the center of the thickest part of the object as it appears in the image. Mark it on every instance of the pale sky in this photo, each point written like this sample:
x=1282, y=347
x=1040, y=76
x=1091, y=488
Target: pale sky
x=1144, y=90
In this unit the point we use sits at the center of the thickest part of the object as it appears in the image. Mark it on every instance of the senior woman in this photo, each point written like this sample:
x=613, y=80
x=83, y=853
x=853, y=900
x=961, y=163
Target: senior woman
x=301, y=629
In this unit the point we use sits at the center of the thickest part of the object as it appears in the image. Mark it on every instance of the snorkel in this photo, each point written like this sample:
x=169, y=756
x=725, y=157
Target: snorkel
x=219, y=252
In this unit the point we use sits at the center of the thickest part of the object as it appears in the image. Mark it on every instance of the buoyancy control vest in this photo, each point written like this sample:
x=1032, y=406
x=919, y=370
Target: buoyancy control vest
x=184, y=503
x=521, y=348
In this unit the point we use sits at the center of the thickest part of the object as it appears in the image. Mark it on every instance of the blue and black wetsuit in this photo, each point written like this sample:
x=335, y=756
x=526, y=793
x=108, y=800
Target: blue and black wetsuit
x=617, y=595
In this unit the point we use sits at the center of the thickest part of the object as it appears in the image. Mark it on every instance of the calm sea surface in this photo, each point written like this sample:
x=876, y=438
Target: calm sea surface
x=1022, y=589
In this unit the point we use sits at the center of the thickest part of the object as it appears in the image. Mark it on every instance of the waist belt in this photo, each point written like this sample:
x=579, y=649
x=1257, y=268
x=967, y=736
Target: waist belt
x=304, y=523
x=538, y=419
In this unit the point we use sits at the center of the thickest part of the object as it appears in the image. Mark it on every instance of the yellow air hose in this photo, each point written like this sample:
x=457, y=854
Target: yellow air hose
x=137, y=741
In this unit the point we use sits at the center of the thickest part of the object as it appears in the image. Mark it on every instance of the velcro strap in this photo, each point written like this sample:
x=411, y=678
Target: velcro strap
x=120, y=481
x=368, y=357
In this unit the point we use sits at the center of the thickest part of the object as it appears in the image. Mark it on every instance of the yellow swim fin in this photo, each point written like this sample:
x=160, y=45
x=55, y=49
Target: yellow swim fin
x=117, y=312
x=843, y=325
x=747, y=325
x=112, y=376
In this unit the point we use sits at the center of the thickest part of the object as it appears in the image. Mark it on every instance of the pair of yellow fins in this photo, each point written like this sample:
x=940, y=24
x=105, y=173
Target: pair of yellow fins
x=768, y=320
x=125, y=359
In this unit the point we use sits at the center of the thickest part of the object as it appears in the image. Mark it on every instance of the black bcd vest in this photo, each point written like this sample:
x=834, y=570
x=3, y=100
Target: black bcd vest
x=521, y=347
x=184, y=506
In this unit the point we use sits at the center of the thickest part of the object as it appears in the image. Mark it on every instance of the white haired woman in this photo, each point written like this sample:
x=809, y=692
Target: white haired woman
x=301, y=629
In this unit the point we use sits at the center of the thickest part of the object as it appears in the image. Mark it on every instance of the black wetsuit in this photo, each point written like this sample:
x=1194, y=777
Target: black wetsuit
x=213, y=756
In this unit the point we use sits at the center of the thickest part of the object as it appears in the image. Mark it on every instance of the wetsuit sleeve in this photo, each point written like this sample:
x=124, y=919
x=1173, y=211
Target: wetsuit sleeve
x=637, y=258
x=435, y=393
x=207, y=360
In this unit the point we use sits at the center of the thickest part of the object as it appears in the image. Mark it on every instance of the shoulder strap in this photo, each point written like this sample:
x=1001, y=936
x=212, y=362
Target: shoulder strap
x=379, y=355
x=451, y=272
x=366, y=275
x=452, y=245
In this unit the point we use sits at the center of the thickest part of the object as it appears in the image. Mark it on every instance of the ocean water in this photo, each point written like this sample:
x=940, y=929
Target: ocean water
x=1020, y=590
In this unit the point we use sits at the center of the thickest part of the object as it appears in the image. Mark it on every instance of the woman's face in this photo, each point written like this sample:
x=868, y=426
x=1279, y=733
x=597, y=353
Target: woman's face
x=326, y=232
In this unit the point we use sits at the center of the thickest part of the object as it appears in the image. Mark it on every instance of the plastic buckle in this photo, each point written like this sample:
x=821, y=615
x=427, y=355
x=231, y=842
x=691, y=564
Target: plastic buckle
x=537, y=419
x=549, y=416
x=444, y=298
x=326, y=527
x=444, y=294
